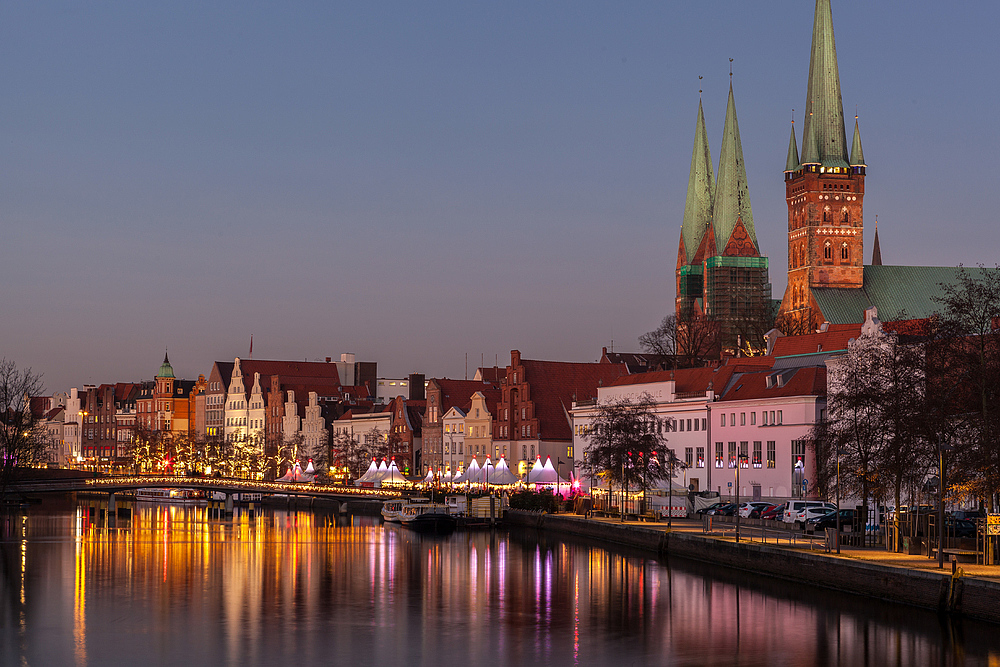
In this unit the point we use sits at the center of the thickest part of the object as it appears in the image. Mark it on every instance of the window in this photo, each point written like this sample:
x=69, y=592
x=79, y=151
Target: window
x=696, y=424
x=753, y=418
x=779, y=418
x=701, y=457
x=756, y=454
x=569, y=452
x=689, y=456
x=827, y=248
x=723, y=416
x=689, y=424
x=772, y=418
x=732, y=419
x=844, y=254
x=524, y=452
x=744, y=457
x=743, y=419
x=718, y=455
x=704, y=423
x=681, y=422
x=732, y=454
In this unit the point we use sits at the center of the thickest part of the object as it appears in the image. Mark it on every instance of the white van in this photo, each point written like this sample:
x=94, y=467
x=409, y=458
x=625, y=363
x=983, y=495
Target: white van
x=793, y=508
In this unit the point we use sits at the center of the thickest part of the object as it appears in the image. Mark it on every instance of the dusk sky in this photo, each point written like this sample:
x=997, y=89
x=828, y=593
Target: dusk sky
x=414, y=182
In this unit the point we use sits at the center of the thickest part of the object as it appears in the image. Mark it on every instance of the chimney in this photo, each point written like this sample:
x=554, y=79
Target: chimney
x=329, y=359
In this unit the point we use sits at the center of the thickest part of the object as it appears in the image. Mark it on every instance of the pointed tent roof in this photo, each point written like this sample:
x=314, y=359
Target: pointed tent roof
x=857, y=154
x=535, y=474
x=370, y=474
x=166, y=370
x=430, y=476
x=824, y=119
x=700, y=192
x=503, y=474
x=792, y=162
x=732, y=196
x=393, y=475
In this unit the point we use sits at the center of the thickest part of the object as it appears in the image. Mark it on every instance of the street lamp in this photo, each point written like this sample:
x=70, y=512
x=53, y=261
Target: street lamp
x=740, y=458
x=942, y=448
x=559, y=463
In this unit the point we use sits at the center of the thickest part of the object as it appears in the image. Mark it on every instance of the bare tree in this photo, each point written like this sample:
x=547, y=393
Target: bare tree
x=21, y=441
x=357, y=454
x=688, y=343
x=966, y=388
x=626, y=446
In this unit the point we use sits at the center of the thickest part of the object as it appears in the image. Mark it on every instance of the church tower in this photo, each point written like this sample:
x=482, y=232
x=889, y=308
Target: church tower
x=697, y=241
x=824, y=190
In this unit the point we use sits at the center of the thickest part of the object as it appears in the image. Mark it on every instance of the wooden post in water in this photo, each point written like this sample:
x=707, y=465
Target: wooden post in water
x=112, y=514
x=229, y=506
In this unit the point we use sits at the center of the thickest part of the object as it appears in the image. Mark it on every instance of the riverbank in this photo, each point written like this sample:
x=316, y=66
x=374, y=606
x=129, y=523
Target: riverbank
x=913, y=580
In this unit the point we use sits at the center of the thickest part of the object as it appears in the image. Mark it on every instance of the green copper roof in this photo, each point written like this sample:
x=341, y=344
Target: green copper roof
x=857, y=154
x=166, y=370
x=700, y=193
x=792, y=163
x=897, y=292
x=732, y=196
x=824, y=120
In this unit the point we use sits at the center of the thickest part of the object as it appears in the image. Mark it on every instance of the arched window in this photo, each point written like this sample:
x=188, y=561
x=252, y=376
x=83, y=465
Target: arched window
x=845, y=216
x=844, y=254
x=828, y=251
x=826, y=214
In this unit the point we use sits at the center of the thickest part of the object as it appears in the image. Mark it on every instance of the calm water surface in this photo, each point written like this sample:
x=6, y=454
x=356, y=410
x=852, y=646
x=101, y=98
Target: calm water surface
x=296, y=588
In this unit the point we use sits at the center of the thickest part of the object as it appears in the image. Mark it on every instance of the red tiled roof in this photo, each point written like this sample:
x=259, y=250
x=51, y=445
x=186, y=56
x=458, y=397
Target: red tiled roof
x=808, y=381
x=554, y=384
x=835, y=338
x=696, y=380
x=458, y=392
x=493, y=374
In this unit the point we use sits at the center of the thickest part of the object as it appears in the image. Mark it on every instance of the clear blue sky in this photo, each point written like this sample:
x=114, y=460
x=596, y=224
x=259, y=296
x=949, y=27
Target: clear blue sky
x=417, y=181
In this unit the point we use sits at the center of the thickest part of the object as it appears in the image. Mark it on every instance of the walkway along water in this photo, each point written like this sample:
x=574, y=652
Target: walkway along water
x=869, y=572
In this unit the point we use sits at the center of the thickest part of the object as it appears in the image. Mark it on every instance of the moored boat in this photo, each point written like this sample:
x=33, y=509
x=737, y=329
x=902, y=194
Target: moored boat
x=176, y=496
x=392, y=510
x=427, y=518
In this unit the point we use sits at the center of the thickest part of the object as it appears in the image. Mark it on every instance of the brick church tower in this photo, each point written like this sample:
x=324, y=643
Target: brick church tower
x=824, y=190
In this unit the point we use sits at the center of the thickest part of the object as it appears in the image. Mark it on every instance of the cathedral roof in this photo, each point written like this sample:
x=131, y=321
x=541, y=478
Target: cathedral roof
x=899, y=292
x=700, y=192
x=732, y=196
x=824, y=117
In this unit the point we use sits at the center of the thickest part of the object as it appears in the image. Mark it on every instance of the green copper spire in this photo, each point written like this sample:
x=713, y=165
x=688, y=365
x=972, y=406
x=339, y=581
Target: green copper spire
x=857, y=155
x=792, y=163
x=700, y=193
x=824, y=119
x=732, y=196
x=166, y=370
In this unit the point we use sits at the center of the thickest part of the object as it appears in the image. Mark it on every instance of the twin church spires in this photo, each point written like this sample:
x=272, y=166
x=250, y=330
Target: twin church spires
x=720, y=270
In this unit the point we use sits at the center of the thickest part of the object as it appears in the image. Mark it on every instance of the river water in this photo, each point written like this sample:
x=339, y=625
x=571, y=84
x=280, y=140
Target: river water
x=169, y=587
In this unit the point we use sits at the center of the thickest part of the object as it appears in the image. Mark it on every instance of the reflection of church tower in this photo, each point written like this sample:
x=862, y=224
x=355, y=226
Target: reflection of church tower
x=824, y=190
x=721, y=273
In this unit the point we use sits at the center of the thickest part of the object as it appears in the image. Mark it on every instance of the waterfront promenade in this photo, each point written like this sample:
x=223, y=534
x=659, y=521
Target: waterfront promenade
x=972, y=591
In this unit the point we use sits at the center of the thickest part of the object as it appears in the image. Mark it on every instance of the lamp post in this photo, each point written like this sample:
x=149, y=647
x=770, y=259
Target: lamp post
x=942, y=448
x=839, y=452
x=559, y=463
x=740, y=457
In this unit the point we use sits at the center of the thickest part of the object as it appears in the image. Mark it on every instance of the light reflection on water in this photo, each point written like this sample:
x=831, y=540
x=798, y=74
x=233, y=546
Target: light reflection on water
x=294, y=588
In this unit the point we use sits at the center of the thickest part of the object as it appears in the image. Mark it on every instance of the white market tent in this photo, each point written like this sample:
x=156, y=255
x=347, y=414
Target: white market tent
x=393, y=475
x=543, y=474
x=430, y=477
x=310, y=470
x=503, y=475
x=470, y=474
x=369, y=475
x=380, y=473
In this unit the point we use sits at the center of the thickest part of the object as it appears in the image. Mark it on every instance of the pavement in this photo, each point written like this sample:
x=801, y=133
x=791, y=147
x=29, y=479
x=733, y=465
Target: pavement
x=797, y=541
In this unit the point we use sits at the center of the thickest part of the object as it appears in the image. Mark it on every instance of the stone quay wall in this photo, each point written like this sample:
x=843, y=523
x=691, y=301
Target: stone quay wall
x=963, y=596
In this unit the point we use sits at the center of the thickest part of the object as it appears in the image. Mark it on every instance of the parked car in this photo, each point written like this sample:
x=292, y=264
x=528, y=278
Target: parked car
x=747, y=508
x=829, y=520
x=959, y=527
x=758, y=512
x=774, y=513
x=797, y=511
x=969, y=515
x=727, y=509
x=707, y=510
